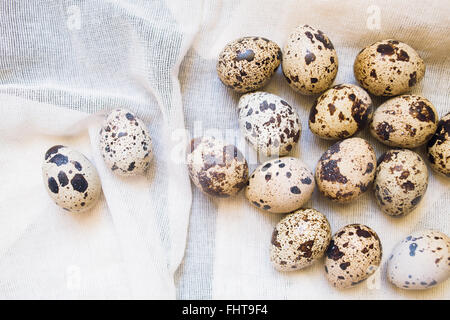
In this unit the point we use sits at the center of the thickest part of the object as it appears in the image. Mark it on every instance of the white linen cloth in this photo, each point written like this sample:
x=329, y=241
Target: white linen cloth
x=64, y=64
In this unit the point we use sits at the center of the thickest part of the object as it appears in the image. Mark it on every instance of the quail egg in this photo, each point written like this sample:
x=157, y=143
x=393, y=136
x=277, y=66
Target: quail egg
x=280, y=186
x=269, y=123
x=438, y=147
x=70, y=179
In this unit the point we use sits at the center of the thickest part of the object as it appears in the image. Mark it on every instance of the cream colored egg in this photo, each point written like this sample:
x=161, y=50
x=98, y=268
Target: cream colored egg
x=248, y=63
x=438, y=147
x=125, y=143
x=353, y=255
x=269, y=123
x=280, y=186
x=216, y=168
x=420, y=261
x=407, y=121
x=340, y=112
x=401, y=181
x=310, y=62
x=70, y=179
x=346, y=170
x=388, y=68
x=299, y=239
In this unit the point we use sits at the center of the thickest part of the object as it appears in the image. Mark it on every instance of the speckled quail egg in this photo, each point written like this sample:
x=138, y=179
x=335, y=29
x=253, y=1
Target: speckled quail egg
x=420, y=261
x=299, y=239
x=400, y=182
x=407, y=121
x=125, y=143
x=346, y=169
x=280, y=186
x=269, y=123
x=438, y=147
x=388, y=68
x=216, y=168
x=353, y=255
x=340, y=112
x=70, y=179
x=248, y=63
x=310, y=62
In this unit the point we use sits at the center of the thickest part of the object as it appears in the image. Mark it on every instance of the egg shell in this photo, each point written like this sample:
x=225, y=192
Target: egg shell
x=346, y=170
x=420, y=261
x=400, y=182
x=125, y=143
x=353, y=255
x=438, y=147
x=217, y=169
x=269, y=123
x=70, y=179
x=340, y=112
x=248, y=63
x=388, y=68
x=299, y=239
x=280, y=186
x=310, y=62
x=407, y=121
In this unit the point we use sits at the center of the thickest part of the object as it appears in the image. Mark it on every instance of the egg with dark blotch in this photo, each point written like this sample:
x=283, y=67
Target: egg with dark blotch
x=71, y=179
x=269, y=123
x=125, y=143
x=346, y=169
x=420, y=261
x=388, y=68
x=248, y=63
x=216, y=168
x=310, y=62
x=407, y=121
x=438, y=147
x=353, y=255
x=280, y=186
x=299, y=239
x=400, y=182
x=340, y=112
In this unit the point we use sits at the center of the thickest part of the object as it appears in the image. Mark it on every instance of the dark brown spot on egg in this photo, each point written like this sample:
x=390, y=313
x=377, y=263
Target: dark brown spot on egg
x=79, y=183
x=52, y=150
x=247, y=55
x=53, y=185
x=309, y=57
x=62, y=178
x=383, y=130
x=385, y=49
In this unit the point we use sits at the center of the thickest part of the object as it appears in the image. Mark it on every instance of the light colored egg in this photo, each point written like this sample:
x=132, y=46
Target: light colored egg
x=438, y=147
x=269, y=123
x=401, y=181
x=420, y=261
x=407, y=121
x=388, y=68
x=299, y=239
x=310, y=62
x=248, y=63
x=125, y=143
x=280, y=186
x=70, y=179
x=340, y=112
x=217, y=169
x=346, y=170
x=353, y=255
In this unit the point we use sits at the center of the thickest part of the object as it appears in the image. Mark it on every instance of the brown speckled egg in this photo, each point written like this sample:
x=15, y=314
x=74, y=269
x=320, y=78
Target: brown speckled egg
x=70, y=179
x=420, y=261
x=247, y=64
x=125, y=143
x=388, y=68
x=280, y=186
x=340, y=112
x=438, y=147
x=346, y=169
x=407, y=121
x=217, y=169
x=269, y=123
x=299, y=239
x=353, y=255
x=310, y=62
x=401, y=181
